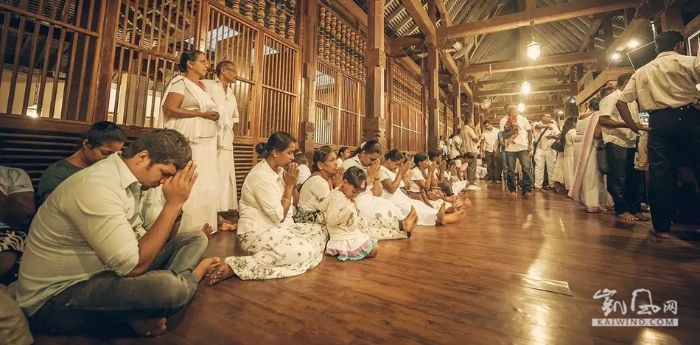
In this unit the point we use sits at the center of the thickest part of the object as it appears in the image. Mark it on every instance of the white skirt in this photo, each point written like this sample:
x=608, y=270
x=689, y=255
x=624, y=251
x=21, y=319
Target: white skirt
x=371, y=206
x=202, y=205
x=227, y=188
x=427, y=216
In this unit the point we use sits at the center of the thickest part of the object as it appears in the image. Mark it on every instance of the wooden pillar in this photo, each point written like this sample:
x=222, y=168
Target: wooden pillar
x=457, y=105
x=433, y=85
x=105, y=68
x=307, y=37
x=374, y=127
x=579, y=72
x=671, y=19
x=525, y=33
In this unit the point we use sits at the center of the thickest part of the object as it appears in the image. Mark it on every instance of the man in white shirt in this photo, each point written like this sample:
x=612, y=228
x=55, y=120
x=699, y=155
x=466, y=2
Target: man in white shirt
x=666, y=89
x=517, y=134
x=489, y=142
x=469, y=144
x=547, y=132
x=625, y=183
x=104, y=250
x=221, y=91
x=455, y=143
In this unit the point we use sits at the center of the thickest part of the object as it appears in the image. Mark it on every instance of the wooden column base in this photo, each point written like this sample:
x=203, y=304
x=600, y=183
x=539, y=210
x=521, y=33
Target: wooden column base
x=374, y=128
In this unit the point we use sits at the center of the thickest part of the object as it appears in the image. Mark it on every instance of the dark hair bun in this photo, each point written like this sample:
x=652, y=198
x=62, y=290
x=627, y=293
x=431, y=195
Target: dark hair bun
x=260, y=148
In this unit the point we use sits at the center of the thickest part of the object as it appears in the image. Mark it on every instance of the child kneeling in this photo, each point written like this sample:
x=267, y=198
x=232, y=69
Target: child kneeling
x=347, y=241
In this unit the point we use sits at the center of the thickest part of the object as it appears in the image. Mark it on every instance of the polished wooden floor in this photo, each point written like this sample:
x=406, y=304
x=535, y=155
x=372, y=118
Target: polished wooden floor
x=514, y=272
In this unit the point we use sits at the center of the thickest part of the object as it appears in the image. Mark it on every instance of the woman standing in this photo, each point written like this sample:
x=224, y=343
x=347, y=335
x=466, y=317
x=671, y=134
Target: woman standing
x=188, y=109
x=278, y=247
x=564, y=170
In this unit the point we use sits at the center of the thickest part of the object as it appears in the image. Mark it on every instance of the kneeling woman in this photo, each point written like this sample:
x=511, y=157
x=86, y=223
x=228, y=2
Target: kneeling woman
x=277, y=246
x=327, y=176
x=370, y=203
x=348, y=241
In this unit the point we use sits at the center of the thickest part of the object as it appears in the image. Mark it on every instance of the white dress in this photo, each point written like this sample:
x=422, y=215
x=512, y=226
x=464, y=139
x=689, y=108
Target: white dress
x=347, y=241
x=427, y=216
x=369, y=205
x=279, y=248
x=416, y=175
x=316, y=189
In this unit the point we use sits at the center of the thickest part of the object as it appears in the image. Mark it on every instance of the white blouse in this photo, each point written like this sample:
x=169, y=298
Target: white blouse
x=312, y=192
x=261, y=200
x=355, y=162
x=415, y=175
x=385, y=173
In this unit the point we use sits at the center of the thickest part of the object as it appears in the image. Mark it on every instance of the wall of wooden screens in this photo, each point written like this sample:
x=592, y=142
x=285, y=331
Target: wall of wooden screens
x=407, y=119
x=340, y=81
x=44, y=46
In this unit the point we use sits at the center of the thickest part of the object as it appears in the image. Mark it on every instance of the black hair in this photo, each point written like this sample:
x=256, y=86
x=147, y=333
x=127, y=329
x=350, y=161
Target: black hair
x=369, y=147
x=569, y=124
x=103, y=132
x=446, y=188
x=419, y=157
x=434, y=153
x=606, y=91
x=486, y=122
x=222, y=65
x=321, y=156
x=623, y=78
x=469, y=155
x=187, y=56
x=300, y=158
x=666, y=41
x=451, y=162
x=278, y=141
x=594, y=103
x=458, y=131
x=505, y=107
x=342, y=150
x=394, y=155
x=355, y=176
x=164, y=146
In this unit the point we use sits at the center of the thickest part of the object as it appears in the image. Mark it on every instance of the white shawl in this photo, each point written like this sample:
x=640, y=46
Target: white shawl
x=189, y=127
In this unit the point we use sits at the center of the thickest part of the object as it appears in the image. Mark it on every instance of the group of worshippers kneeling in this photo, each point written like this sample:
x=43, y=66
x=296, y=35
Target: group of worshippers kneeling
x=105, y=248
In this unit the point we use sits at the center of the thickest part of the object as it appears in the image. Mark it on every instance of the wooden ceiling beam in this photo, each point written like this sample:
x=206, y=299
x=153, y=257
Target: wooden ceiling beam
x=406, y=41
x=444, y=13
x=587, y=38
x=540, y=15
x=420, y=17
x=534, y=89
x=542, y=62
x=513, y=80
x=531, y=103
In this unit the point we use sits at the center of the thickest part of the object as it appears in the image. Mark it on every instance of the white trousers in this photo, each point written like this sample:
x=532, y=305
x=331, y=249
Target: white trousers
x=544, y=158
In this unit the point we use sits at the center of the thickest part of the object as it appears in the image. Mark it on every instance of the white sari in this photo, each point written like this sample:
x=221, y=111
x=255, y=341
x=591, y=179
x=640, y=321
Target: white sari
x=588, y=187
x=427, y=216
x=202, y=205
x=369, y=205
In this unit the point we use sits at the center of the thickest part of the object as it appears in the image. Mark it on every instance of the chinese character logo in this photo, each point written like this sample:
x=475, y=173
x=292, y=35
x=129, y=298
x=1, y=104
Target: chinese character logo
x=610, y=304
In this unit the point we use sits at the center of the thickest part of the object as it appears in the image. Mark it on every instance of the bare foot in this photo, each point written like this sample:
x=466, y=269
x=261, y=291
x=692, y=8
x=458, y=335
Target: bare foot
x=467, y=204
x=512, y=194
x=227, y=226
x=527, y=195
x=627, y=216
x=409, y=223
x=148, y=327
x=207, y=230
x=462, y=213
x=441, y=215
x=206, y=267
x=642, y=218
x=222, y=273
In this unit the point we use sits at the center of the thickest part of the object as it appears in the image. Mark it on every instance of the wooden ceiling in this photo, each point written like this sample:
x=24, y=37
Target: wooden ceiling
x=557, y=36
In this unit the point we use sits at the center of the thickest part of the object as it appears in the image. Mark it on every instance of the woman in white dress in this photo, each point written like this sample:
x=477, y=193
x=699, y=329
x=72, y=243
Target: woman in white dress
x=326, y=176
x=588, y=186
x=188, y=109
x=393, y=175
x=370, y=203
x=277, y=246
x=564, y=169
x=343, y=154
x=420, y=179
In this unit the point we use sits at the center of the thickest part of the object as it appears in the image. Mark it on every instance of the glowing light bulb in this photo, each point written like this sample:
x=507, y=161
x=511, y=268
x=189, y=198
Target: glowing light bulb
x=533, y=50
x=525, y=88
x=521, y=107
x=633, y=44
x=616, y=56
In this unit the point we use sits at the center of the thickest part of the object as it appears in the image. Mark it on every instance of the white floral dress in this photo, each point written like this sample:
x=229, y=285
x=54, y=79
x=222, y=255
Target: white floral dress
x=347, y=241
x=277, y=246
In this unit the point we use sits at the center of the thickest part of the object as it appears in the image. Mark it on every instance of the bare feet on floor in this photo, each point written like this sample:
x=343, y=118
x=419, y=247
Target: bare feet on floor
x=207, y=230
x=441, y=215
x=222, y=273
x=641, y=217
x=227, y=226
x=148, y=327
x=627, y=216
x=206, y=267
x=409, y=223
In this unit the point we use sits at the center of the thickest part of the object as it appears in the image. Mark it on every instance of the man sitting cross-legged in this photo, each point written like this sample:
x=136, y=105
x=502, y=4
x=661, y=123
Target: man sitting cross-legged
x=90, y=264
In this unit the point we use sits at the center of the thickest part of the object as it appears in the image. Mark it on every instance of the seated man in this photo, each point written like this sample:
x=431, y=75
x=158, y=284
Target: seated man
x=89, y=261
x=101, y=140
x=16, y=211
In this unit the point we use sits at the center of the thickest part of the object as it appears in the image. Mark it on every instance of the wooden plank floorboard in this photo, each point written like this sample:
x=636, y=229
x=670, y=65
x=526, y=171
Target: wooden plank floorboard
x=459, y=284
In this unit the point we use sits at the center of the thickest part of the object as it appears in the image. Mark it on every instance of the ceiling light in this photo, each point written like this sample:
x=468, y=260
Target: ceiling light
x=616, y=56
x=533, y=50
x=521, y=107
x=525, y=87
x=633, y=44
x=573, y=99
x=560, y=112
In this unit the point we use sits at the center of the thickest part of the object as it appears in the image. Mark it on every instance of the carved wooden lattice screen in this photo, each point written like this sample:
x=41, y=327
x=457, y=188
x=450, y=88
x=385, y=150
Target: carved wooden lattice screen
x=150, y=36
x=408, y=122
x=450, y=122
x=340, y=81
x=280, y=87
x=442, y=126
x=45, y=45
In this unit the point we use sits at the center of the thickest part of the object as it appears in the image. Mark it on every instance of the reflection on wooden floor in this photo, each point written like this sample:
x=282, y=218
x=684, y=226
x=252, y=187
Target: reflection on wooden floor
x=516, y=272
